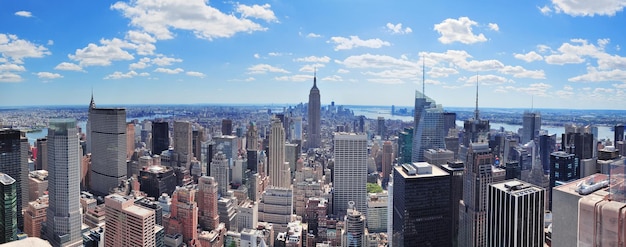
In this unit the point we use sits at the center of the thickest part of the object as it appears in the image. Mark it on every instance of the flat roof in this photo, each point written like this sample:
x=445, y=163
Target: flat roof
x=436, y=171
x=6, y=179
x=571, y=187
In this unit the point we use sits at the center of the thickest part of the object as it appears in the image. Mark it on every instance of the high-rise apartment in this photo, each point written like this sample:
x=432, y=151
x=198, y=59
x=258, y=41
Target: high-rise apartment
x=160, y=137
x=108, y=148
x=350, y=174
x=280, y=174
x=421, y=210
x=515, y=215
x=314, y=130
x=63, y=224
x=473, y=209
x=207, y=203
x=8, y=209
x=14, y=162
x=428, y=130
x=128, y=224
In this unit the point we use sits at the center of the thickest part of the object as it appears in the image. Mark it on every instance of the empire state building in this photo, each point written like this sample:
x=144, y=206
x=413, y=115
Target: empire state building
x=314, y=129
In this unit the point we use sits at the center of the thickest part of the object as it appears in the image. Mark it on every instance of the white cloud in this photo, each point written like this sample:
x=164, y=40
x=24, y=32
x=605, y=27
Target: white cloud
x=145, y=42
x=311, y=67
x=119, y=75
x=484, y=65
x=342, y=43
x=11, y=67
x=529, y=57
x=313, y=35
x=377, y=61
x=68, y=66
x=391, y=81
x=394, y=73
x=484, y=80
x=296, y=78
x=50, y=42
x=195, y=74
x=103, y=55
x=589, y=8
x=18, y=49
x=494, y=27
x=162, y=60
x=595, y=75
x=23, y=13
x=9, y=77
x=250, y=79
x=256, y=55
x=448, y=58
x=536, y=89
x=48, y=75
x=568, y=88
x=262, y=12
x=169, y=71
x=143, y=63
x=438, y=72
x=561, y=59
x=397, y=29
x=458, y=30
x=545, y=10
x=158, y=17
x=278, y=54
x=144, y=74
x=343, y=71
x=264, y=68
x=520, y=72
x=313, y=59
x=332, y=78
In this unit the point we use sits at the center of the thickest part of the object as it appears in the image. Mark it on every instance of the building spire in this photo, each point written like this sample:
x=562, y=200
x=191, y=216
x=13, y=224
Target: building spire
x=423, y=78
x=92, y=103
x=315, y=77
x=476, y=110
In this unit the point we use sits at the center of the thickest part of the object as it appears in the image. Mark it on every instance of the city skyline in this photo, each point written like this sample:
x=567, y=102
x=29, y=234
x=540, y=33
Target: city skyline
x=547, y=54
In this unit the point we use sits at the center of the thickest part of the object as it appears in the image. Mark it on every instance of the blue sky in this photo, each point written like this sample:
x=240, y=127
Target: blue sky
x=552, y=54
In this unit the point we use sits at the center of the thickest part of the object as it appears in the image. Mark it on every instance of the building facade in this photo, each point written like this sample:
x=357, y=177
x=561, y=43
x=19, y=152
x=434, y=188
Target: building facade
x=128, y=224
x=14, y=162
x=350, y=172
x=473, y=209
x=314, y=130
x=280, y=174
x=108, y=149
x=8, y=209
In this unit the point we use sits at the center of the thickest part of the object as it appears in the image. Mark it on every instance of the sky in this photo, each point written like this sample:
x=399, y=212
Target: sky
x=541, y=54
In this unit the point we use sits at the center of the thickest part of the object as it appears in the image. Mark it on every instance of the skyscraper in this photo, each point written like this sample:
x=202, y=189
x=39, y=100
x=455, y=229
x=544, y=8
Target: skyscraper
x=314, y=130
x=531, y=124
x=183, y=218
x=280, y=174
x=350, y=173
x=422, y=212
x=183, y=143
x=220, y=171
x=42, y=154
x=63, y=224
x=128, y=224
x=515, y=214
x=160, y=137
x=208, y=217
x=477, y=177
x=108, y=148
x=428, y=130
x=474, y=128
x=227, y=127
x=387, y=161
x=252, y=146
x=405, y=145
x=355, y=227
x=564, y=167
x=381, y=129
x=14, y=162
x=8, y=208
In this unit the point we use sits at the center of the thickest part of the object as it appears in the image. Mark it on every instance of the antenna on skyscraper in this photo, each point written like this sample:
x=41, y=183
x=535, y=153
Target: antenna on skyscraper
x=423, y=78
x=476, y=110
x=532, y=103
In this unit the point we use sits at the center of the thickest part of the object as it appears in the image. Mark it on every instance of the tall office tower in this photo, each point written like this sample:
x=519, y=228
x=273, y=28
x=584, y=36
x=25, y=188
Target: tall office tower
x=221, y=172
x=130, y=139
x=350, y=174
x=160, y=137
x=252, y=146
x=297, y=128
x=381, y=129
x=387, y=161
x=449, y=121
x=128, y=224
x=422, y=211
x=42, y=154
x=8, y=208
x=155, y=180
x=280, y=174
x=531, y=124
x=564, y=167
x=478, y=175
x=276, y=207
x=208, y=217
x=183, y=143
x=455, y=169
x=515, y=214
x=314, y=135
x=474, y=128
x=183, y=218
x=197, y=138
x=428, y=132
x=619, y=133
x=63, y=224
x=377, y=211
x=405, y=145
x=354, y=234
x=108, y=148
x=14, y=162
x=579, y=144
x=227, y=127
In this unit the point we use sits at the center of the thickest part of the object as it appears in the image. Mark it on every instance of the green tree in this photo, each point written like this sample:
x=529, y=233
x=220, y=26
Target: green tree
x=374, y=188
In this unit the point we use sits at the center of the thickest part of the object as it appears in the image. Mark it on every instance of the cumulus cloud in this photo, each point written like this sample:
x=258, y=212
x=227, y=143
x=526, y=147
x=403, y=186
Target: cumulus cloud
x=102, y=55
x=391, y=81
x=536, y=89
x=262, y=12
x=343, y=43
x=484, y=80
x=48, y=75
x=264, y=68
x=458, y=30
x=119, y=75
x=160, y=17
x=438, y=72
x=143, y=63
x=332, y=78
x=17, y=49
x=397, y=28
x=311, y=67
x=162, y=60
x=484, y=65
x=195, y=74
x=68, y=66
x=589, y=8
x=595, y=75
x=520, y=72
x=11, y=67
x=313, y=59
x=545, y=10
x=313, y=35
x=10, y=77
x=169, y=71
x=395, y=73
x=529, y=57
x=494, y=27
x=343, y=71
x=377, y=61
x=296, y=78
x=23, y=13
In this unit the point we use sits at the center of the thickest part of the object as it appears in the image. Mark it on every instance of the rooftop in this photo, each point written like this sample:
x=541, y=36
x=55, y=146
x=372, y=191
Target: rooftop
x=419, y=166
x=6, y=179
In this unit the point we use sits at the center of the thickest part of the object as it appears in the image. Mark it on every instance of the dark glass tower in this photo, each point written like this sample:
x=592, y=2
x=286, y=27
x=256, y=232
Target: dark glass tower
x=160, y=137
x=314, y=130
x=14, y=162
